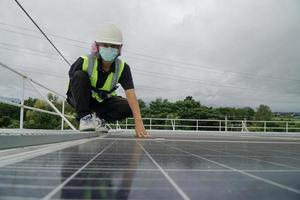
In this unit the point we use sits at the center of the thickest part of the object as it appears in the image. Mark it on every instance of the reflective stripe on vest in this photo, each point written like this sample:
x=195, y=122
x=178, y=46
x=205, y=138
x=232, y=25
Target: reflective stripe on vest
x=90, y=65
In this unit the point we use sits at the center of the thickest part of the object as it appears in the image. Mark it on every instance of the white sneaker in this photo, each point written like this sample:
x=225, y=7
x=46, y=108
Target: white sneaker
x=87, y=123
x=100, y=125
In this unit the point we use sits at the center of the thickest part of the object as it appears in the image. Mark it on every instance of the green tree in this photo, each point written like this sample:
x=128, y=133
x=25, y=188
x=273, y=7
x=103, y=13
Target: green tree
x=52, y=98
x=263, y=112
x=160, y=108
x=5, y=121
x=41, y=120
x=9, y=111
x=30, y=101
x=236, y=113
x=9, y=116
x=142, y=104
x=188, y=108
x=245, y=113
x=37, y=120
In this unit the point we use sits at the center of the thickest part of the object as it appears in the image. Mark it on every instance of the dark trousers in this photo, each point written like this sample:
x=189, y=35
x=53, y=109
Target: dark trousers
x=111, y=109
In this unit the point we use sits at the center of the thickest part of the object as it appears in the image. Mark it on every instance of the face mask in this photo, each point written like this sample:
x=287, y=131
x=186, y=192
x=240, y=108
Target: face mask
x=108, y=54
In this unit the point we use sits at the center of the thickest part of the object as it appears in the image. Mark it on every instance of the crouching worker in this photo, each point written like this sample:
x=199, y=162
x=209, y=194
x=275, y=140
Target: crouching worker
x=93, y=82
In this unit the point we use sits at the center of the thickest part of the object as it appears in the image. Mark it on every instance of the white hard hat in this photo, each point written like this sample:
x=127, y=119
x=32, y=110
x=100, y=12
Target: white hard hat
x=110, y=34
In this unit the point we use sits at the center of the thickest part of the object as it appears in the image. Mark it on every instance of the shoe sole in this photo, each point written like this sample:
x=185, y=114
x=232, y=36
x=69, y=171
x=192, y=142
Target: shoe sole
x=102, y=131
x=88, y=128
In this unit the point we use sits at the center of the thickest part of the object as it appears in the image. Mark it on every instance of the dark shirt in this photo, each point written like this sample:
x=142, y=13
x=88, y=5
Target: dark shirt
x=125, y=78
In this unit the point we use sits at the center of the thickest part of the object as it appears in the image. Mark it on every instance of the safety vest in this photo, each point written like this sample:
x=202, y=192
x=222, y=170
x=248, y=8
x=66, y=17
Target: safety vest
x=90, y=65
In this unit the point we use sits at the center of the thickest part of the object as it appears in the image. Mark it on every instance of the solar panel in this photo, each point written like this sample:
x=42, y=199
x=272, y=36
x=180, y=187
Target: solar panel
x=168, y=166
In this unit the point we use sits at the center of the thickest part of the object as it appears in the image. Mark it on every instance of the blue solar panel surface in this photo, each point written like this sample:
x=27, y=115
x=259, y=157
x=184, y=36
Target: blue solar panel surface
x=167, y=166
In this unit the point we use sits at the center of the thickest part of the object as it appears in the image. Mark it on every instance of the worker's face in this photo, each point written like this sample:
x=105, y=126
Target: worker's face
x=109, y=52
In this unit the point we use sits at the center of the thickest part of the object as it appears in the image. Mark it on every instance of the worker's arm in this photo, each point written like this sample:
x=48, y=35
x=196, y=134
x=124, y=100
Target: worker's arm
x=77, y=65
x=135, y=108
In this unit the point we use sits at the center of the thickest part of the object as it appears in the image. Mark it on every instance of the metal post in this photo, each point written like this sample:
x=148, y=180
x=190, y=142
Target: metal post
x=265, y=126
x=52, y=106
x=126, y=123
x=117, y=125
x=22, y=104
x=220, y=125
x=150, y=123
x=197, y=122
x=63, y=113
x=244, y=126
x=226, y=123
x=173, y=124
x=287, y=127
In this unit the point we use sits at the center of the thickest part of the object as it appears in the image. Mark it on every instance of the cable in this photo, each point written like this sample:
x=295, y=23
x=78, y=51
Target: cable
x=30, y=30
x=41, y=72
x=211, y=84
x=161, y=75
x=150, y=58
x=34, y=50
x=181, y=65
x=41, y=38
x=25, y=52
x=174, y=90
x=180, y=78
x=28, y=78
x=42, y=32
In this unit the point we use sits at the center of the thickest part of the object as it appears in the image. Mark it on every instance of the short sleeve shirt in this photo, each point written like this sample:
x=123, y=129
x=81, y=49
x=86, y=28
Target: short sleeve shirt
x=125, y=80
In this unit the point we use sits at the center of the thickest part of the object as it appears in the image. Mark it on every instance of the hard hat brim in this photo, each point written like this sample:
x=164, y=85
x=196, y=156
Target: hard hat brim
x=108, y=41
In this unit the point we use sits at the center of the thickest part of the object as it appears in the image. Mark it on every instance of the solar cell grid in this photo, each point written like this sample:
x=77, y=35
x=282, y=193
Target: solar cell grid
x=120, y=167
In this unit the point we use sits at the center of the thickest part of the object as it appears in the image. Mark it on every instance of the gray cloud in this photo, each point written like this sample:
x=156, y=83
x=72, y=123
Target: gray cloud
x=224, y=53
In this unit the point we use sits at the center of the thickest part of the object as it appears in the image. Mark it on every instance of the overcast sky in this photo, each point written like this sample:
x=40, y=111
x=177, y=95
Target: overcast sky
x=222, y=52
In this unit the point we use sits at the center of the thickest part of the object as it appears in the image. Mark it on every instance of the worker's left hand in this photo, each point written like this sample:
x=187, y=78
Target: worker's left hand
x=140, y=130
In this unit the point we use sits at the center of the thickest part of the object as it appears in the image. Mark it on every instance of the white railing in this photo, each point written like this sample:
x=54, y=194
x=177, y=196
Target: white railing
x=212, y=125
x=36, y=86
x=157, y=123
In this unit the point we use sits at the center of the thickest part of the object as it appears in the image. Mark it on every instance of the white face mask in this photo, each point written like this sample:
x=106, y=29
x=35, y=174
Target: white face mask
x=108, y=54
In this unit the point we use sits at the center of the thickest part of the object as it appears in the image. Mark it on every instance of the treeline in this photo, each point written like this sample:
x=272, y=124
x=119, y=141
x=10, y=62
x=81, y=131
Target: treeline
x=10, y=115
x=188, y=108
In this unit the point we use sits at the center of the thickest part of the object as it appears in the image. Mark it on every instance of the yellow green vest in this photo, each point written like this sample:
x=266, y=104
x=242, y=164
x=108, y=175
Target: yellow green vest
x=90, y=65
